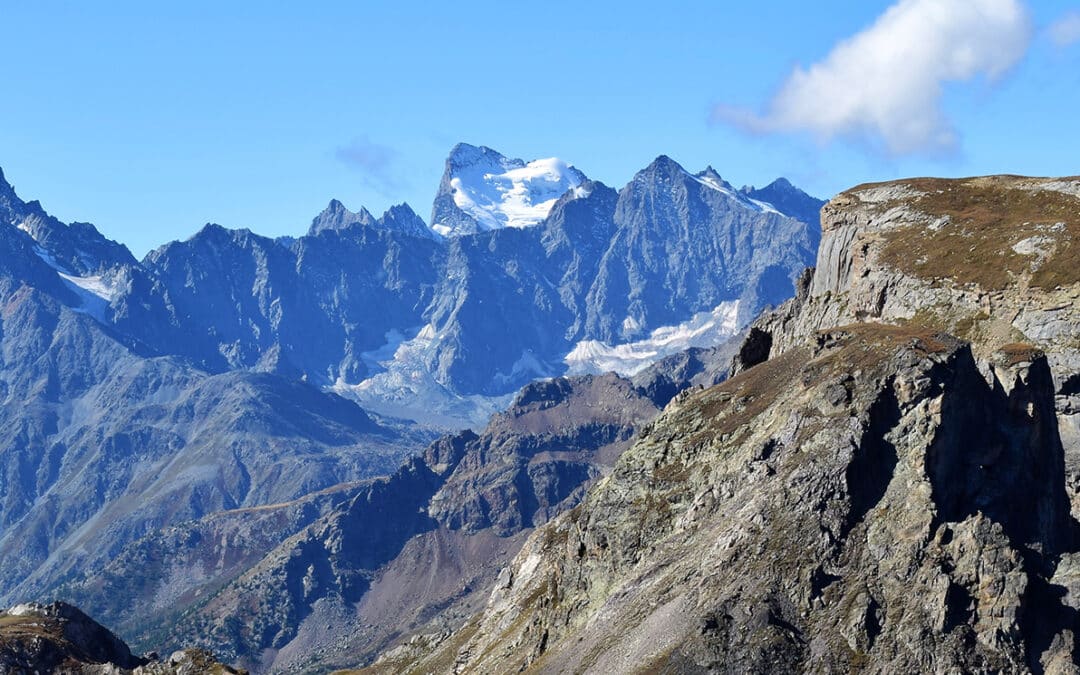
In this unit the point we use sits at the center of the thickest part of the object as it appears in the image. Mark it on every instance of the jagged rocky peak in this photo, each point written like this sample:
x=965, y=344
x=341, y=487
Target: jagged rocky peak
x=398, y=218
x=401, y=218
x=482, y=189
x=710, y=175
x=788, y=199
x=12, y=209
x=7, y=192
x=662, y=166
x=336, y=217
x=664, y=172
x=58, y=637
x=77, y=249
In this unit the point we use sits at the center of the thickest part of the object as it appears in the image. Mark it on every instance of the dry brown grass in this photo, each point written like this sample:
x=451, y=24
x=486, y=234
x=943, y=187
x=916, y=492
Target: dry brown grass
x=987, y=216
x=1019, y=352
x=731, y=407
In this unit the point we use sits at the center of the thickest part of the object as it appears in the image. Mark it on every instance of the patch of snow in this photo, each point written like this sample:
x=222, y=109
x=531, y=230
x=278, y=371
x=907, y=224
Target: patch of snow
x=704, y=329
x=528, y=364
x=403, y=386
x=710, y=181
x=764, y=207
x=375, y=359
x=509, y=192
x=95, y=285
x=581, y=192
x=96, y=292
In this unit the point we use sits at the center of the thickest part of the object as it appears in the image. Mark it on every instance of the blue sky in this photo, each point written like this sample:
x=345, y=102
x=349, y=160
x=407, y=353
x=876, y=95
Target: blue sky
x=150, y=120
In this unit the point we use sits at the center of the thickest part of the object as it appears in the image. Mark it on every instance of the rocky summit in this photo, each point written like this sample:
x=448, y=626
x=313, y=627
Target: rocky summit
x=58, y=638
x=888, y=484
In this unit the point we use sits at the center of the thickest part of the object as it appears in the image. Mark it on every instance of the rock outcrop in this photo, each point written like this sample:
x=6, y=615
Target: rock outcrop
x=59, y=638
x=992, y=260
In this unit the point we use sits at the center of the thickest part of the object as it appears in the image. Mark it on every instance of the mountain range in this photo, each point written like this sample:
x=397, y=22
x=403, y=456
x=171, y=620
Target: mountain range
x=394, y=314
x=232, y=397
x=880, y=473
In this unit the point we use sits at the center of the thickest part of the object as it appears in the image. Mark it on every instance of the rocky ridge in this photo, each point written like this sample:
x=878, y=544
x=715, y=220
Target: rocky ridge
x=422, y=547
x=870, y=492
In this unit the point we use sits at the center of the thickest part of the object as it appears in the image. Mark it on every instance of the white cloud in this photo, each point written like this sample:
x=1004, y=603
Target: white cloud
x=1065, y=32
x=885, y=83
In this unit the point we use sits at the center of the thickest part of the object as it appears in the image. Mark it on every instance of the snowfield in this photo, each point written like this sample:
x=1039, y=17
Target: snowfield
x=704, y=329
x=498, y=191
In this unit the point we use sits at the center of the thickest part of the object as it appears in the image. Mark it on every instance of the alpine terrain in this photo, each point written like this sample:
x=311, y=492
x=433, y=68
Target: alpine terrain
x=240, y=443
x=888, y=484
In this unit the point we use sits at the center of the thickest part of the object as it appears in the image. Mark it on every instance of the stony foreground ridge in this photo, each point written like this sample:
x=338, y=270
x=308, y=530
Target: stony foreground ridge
x=58, y=638
x=869, y=493
x=993, y=260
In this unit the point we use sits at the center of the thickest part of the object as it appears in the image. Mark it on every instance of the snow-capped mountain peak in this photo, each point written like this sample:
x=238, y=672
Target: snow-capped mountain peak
x=484, y=190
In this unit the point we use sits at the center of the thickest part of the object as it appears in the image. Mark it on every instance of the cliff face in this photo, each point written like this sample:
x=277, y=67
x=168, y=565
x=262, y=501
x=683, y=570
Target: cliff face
x=992, y=260
x=884, y=486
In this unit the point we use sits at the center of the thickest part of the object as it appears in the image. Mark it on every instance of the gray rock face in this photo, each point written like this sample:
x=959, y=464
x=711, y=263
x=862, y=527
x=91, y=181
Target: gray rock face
x=917, y=251
x=311, y=310
x=876, y=496
x=684, y=241
x=863, y=503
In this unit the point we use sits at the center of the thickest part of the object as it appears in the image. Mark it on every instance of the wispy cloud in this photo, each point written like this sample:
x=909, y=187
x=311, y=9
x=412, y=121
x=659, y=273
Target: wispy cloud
x=1065, y=32
x=374, y=161
x=884, y=85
